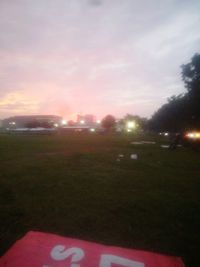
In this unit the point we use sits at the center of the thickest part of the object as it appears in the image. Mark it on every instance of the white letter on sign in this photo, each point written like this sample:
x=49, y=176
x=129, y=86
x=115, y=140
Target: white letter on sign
x=109, y=260
x=60, y=253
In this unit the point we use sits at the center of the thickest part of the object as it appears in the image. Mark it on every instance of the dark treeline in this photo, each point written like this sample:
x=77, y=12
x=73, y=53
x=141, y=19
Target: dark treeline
x=182, y=112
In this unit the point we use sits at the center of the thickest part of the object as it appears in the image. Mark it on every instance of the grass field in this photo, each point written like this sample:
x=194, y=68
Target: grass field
x=74, y=186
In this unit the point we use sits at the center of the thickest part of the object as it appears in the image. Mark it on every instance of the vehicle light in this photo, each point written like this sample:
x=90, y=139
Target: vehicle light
x=193, y=135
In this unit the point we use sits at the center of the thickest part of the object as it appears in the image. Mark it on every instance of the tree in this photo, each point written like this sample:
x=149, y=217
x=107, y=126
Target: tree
x=171, y=116
x=183, y=111
x=191, y=78
x=108, y=122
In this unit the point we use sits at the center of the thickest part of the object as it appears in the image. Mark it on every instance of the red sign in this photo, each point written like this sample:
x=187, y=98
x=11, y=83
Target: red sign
x=48, y=250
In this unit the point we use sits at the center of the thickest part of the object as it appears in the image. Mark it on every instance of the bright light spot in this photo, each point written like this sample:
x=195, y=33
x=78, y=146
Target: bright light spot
x=129, y=130
x=98, y=121
x=56, y=124
x=193, y=135
x=82, y=122
x=131, y=124
x=92, y=130
x=166, y=134
x=12, y=122
x=63, y=122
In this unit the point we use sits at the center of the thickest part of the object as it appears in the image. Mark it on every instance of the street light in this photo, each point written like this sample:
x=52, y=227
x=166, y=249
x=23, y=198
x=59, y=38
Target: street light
x=131, y=125
x=63, y=122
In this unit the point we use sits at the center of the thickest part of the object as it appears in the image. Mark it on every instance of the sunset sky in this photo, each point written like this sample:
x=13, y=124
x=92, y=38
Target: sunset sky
x=99, y=57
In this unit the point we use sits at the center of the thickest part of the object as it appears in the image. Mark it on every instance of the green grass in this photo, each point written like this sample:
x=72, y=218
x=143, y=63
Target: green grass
x=73, y=186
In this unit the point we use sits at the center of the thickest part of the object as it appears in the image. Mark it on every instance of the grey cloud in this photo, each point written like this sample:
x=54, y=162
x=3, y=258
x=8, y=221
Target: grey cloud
x=95, y=2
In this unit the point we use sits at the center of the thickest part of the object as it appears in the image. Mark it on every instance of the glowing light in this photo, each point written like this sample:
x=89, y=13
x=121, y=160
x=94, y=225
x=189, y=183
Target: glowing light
x=92, y=130
x=166, y=134
x=82, y=122
x=56, y=124
x=131, y=124
x=12, y=123
x=129, y=130
x=63, y=122
x=193, y=135
x=98, y=121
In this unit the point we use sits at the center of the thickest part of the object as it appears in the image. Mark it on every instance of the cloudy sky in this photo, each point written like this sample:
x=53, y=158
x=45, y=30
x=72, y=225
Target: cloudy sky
x=94, y=56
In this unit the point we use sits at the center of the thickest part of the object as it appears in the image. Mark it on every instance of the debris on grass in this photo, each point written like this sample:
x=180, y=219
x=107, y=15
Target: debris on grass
x=164, y=146
x=149, y=142
x=179, y=145
x=136, y=143
x=134, y=156
x=143, y=143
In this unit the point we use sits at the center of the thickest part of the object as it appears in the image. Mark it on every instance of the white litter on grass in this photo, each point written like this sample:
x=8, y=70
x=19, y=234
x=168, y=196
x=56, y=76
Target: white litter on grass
x=165, y=146
x=136, y=143
x=143, y=142
x=149, y=142
x=120, y=155
x=118, y=160
x=134, y=156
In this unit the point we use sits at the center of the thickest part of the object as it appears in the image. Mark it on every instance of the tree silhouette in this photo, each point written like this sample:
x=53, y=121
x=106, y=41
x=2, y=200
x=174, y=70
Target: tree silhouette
x=183, y=111
x=191, y=78
x=108, y=122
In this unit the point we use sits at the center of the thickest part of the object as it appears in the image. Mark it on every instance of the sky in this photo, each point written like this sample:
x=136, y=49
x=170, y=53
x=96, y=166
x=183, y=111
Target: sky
x=100, y=57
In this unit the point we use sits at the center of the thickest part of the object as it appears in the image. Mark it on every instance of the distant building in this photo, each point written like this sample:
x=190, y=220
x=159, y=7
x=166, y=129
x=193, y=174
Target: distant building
x=87, y=119
x=27, y=121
